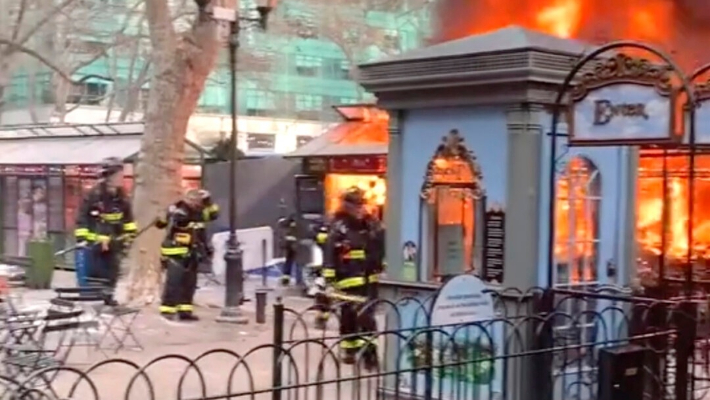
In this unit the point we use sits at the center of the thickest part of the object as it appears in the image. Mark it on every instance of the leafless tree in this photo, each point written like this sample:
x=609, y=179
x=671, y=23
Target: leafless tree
x=183, y=58
x=347, y=24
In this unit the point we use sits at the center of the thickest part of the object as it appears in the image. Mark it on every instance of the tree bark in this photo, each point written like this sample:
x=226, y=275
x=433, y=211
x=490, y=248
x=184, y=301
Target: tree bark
x=181, y=65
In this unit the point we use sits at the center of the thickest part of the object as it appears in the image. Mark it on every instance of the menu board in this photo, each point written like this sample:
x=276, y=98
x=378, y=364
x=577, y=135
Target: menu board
x=493, y=246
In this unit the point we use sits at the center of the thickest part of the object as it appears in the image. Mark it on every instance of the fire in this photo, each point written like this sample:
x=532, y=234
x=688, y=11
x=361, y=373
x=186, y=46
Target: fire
x=561, y=19
x=649, y=220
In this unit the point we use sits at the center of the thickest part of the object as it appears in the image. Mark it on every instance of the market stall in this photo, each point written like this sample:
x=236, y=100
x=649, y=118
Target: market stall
x=45, y=171
x=352, y=153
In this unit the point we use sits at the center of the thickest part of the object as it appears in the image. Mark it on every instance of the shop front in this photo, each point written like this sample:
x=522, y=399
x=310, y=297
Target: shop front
x=352, y=153
x=43, y=179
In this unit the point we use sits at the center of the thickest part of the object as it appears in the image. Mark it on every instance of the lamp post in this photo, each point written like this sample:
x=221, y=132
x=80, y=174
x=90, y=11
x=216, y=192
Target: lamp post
x=234, y=282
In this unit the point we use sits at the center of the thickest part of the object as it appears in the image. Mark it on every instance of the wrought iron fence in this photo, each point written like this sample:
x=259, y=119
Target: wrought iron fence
x=531, y=350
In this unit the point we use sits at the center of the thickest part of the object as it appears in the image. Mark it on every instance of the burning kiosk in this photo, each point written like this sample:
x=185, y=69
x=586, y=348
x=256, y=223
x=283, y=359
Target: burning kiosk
x=562, y=198
x=351, y=153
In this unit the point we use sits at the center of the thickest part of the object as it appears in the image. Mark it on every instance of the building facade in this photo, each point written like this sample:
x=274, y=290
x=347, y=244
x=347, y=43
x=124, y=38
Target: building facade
x=295, y=71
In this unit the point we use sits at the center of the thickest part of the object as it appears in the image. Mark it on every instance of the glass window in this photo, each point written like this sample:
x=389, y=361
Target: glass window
x=302, y=140
x=24, y=215
x=55, y=204
x=39, y=209
x=308, y=65
x=10, y=242
x=576, y=224
x=72, y=201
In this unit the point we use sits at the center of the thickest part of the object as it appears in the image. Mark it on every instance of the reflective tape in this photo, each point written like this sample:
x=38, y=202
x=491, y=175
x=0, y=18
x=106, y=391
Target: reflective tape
x=185, y=307
x=168, y=309
x=130, y=227
x=174, y=251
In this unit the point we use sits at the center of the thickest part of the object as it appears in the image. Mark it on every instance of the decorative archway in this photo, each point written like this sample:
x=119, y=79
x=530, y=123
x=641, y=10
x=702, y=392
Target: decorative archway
x=453, y=200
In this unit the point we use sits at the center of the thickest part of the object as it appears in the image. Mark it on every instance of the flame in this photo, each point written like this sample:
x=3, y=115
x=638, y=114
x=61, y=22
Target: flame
x=649, y=220
x=375, y=189
x=561, y=18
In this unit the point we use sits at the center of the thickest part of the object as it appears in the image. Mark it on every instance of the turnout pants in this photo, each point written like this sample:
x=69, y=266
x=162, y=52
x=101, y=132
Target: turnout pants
x=357, y=322
x=105, y=265
x=180, y=285
x=290, y=249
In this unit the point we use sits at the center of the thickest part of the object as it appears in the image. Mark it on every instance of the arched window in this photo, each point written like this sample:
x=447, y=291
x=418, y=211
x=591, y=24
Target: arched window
x=577, y=224
x=452, y=200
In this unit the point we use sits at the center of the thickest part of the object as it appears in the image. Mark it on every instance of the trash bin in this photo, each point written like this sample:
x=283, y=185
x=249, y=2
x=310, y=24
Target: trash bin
x=41, y=270
x=82, y=265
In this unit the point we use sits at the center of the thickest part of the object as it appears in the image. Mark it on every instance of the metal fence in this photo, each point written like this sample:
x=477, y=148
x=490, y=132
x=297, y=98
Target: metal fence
x=544, y=345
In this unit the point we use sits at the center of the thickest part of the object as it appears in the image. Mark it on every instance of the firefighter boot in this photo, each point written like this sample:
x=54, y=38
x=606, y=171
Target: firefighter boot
x=168, y=316
x=370, y=359
x=188, y=316
x=348, y=356
x=321, y=321
x=285, y=280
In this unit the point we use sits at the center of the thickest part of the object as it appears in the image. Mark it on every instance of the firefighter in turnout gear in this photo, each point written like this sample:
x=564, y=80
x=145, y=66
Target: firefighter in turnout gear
x=354, y=249
x=323, y=281
x=181, y=251
x=105, y=223
x=289, y=242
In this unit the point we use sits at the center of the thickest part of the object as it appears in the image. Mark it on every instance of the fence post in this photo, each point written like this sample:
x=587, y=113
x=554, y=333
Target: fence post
x=686, y=315
x=278, y=341
x=544, y=341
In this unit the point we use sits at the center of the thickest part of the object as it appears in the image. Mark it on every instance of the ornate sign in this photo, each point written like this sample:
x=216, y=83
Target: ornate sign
x=623, y=100
x=453, y=164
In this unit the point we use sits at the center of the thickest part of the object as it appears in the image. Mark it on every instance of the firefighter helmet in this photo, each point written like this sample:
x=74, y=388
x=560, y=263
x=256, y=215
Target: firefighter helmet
x=354, y=196
x=111, y=166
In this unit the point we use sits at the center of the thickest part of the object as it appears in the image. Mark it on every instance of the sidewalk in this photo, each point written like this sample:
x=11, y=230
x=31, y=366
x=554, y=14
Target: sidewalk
x=161, y=338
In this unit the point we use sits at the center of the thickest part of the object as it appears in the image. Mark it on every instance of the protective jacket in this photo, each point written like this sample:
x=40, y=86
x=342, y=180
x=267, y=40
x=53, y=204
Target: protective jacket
x=104, y=216
x=354, y=249
x=185, y=227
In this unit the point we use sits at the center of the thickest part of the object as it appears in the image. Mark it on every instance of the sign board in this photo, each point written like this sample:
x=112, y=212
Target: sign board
x=623, y=101
x=493, y=245
x=462, y=300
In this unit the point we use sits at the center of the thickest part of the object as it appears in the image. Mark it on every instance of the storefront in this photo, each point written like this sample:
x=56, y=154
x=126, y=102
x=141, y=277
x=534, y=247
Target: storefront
x=43, y=178
x=352, y=153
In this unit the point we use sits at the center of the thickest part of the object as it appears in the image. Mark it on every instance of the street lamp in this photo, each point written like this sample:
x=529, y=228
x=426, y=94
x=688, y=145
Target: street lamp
x=233, y=257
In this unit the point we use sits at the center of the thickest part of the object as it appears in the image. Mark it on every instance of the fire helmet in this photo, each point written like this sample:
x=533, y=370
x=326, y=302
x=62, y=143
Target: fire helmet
x=353, y=196
x=111, y=166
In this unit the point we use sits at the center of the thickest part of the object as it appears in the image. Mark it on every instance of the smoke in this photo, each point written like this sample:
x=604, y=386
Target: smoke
x=679, y=27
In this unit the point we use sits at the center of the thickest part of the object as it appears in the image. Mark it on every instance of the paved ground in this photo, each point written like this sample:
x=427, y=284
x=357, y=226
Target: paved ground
x=160, y=338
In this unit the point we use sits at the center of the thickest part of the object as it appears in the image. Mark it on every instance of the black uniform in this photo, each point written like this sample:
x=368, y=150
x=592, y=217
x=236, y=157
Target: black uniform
x=355, y=250
x=180, y=254
x=289, y=242
x=322, y=301
x=105, y=217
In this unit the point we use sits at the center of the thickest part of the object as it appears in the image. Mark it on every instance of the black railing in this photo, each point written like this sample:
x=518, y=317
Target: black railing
x=530, y=351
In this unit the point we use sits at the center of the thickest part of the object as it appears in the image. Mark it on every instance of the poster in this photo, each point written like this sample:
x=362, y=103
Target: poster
x=465, y=313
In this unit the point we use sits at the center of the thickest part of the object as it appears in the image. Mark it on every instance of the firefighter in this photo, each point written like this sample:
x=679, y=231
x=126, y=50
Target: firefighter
x=289, y=242
x=105, y=223
x=323, y=281
x=354, y=249
x=181, y=249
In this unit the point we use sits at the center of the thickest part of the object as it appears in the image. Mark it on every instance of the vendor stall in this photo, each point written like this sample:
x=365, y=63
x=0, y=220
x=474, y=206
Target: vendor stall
x=45, y=171
x=352, y=153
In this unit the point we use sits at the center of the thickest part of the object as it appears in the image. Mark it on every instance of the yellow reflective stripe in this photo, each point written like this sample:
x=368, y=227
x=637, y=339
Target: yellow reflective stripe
x=112, y=216
x=355, y=255
x=196, y=225
x=168, y=309
x=328, y=273
x=174, y=251
x=183, y=238
x=373, y=278
x=103, y=238
x=81, y=232
x=352, y=343
x=91, y=236
x=350, y=282
x=208, y=211
x=130, y=226
x=321, y=237
x=325, y=315
x=184, y=307
x=347, y=297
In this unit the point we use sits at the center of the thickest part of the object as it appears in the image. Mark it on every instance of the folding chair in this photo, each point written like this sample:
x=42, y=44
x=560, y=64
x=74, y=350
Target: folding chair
x=36, y=352
x=117, y=320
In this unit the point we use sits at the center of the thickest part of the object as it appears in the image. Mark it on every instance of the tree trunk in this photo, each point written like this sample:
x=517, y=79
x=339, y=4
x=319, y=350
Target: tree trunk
x=181, y=67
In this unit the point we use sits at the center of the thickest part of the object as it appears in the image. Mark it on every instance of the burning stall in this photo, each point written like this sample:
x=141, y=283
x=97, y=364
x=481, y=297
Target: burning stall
x=351, y=153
